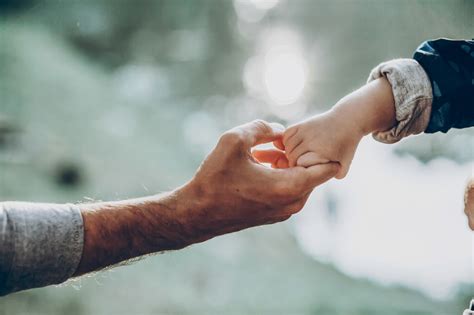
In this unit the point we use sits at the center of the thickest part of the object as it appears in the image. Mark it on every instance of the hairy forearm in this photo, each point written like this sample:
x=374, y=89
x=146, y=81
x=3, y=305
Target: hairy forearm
x=118, y=231
x=46, y=244
x=229, y=192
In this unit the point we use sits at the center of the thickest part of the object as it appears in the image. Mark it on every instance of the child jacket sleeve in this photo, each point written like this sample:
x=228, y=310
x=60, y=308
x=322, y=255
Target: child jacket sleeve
x=449, y=65
x=433, y=92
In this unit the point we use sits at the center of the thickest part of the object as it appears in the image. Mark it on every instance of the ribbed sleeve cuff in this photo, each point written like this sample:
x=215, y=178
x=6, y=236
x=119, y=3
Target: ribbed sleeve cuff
x=413, y=98
x=40, y=244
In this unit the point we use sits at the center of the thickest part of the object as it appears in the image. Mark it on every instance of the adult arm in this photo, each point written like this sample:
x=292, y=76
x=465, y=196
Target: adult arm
x=231, y=191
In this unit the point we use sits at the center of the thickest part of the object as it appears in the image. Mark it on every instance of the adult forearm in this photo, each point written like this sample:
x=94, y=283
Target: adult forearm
x=118, y=231
x=43, y=244
x=230, y=192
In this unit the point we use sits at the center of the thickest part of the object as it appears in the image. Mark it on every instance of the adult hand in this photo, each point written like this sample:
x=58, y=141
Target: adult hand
x=231, y=191
x=234, y=191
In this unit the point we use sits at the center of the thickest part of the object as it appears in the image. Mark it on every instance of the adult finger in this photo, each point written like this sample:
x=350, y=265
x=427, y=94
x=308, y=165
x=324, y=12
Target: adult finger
x=318, y=174
x=342, y=171
x=277, y=219
x=259, y=131
x=298, y=181
x=276, y=158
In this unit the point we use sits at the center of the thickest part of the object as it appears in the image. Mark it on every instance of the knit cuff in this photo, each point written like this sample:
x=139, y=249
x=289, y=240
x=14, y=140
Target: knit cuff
x=412, y=94
x=40, y=244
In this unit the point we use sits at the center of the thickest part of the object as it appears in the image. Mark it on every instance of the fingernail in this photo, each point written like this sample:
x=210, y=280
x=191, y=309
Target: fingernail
x=277, y=126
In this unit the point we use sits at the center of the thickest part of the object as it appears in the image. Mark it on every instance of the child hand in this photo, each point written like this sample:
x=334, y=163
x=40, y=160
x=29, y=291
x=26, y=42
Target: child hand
x=334, y=135
x=328, y=137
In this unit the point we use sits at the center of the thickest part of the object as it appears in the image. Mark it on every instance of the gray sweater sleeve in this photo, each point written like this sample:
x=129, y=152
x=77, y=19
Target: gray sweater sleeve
x=40, y=244
x=413, y=97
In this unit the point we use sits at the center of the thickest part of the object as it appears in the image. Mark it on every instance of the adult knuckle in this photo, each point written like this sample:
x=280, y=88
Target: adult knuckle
x=231, y=139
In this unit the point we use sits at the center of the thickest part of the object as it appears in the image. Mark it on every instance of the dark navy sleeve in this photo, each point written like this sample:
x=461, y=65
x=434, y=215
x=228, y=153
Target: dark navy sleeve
x=450, y=68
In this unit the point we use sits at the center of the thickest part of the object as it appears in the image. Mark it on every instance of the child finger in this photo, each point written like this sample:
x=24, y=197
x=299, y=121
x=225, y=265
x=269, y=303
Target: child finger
x=292, y=144
x=298, y=151
x=309, y=159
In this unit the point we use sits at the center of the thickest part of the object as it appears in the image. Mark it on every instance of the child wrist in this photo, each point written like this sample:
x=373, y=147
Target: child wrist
x=353, y=118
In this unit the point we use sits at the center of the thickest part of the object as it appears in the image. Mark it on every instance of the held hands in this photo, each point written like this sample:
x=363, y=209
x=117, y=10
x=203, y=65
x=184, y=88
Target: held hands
x=322, y=139
x=334, y=135
x=232, y=191
x=319, y=140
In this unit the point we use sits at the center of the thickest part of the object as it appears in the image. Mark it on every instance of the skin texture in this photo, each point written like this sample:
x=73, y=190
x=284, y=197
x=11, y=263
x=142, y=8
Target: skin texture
x=334, y=135
x=469, y=203
x=230, y=191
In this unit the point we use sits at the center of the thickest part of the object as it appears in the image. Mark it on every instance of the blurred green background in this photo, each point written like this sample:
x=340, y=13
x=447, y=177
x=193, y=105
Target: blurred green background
x=111, y=99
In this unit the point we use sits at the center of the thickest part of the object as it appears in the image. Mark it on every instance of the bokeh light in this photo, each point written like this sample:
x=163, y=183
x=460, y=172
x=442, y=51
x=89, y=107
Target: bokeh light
x=284, y=75
x=252, y=11
x=278, y=73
